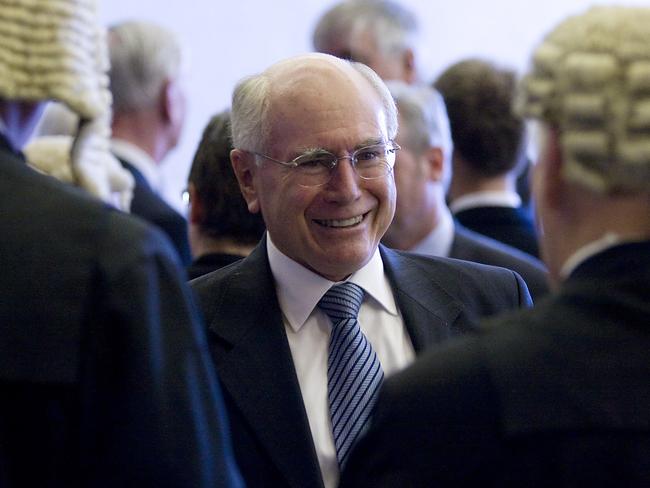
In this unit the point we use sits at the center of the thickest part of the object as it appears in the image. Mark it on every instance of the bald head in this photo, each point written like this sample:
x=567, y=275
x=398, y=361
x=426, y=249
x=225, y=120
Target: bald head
x=310, y=82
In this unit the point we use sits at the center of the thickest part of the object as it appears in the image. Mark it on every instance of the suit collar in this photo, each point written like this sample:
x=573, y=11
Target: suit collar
x=427, y=308
x=257, y=368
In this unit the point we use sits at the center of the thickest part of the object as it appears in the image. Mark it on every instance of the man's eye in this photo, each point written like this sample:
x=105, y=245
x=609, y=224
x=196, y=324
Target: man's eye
x=315, y=161
x=369, y=154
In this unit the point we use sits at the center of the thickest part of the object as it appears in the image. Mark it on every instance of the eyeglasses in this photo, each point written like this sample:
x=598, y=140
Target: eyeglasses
x=315, y=168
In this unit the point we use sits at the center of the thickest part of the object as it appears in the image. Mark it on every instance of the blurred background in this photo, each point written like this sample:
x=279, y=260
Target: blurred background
x=229, y=40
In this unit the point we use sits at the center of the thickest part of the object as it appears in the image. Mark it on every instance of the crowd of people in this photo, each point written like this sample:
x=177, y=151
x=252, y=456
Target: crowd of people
x=375, y=284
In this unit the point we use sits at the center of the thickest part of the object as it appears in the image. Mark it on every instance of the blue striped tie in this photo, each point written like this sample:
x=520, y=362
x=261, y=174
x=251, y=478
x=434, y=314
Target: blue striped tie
x=353, y=370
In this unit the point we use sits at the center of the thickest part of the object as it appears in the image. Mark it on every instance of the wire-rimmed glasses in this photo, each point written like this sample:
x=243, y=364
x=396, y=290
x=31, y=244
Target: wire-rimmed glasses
x=315, y=168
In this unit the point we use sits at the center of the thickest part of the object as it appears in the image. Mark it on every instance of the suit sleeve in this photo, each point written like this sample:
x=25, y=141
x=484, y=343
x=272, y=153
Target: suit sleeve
x=525, y=300
x=159, y=402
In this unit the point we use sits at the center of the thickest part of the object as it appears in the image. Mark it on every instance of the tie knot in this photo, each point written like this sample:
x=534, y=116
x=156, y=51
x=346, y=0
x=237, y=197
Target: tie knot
x=342, y=301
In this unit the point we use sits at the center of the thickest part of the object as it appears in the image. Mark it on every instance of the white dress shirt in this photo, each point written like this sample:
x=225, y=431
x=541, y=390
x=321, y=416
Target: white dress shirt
x=140, y=160
x=486, y=199
x=308, y=330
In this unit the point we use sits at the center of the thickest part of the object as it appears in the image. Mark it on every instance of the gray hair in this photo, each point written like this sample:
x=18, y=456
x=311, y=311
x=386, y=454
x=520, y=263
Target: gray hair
x=423, y=112
x=591, y=80
x=143, y=56
x=393, y=27
x=250, y=103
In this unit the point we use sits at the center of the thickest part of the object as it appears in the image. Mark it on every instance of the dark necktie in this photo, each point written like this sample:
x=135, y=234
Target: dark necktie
x=354, y=374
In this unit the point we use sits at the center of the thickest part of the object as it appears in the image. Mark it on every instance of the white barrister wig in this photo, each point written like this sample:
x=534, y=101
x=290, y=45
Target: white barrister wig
x=56, y=50
x=590, y=78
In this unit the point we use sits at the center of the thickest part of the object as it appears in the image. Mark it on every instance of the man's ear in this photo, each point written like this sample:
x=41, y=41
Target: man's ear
x=197, y=209
x=435, y=164
x=244, y=166
x=408, y=66
x=172, y=105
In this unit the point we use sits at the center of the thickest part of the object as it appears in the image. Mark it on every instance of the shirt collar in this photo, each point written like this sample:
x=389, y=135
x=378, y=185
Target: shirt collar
x=299, y=289
x=440, y=239
x=140, y=159
x=610, y=239
x=486, y=199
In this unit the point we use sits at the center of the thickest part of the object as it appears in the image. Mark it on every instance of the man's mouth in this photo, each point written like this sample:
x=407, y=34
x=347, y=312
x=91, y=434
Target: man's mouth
x=352, y=221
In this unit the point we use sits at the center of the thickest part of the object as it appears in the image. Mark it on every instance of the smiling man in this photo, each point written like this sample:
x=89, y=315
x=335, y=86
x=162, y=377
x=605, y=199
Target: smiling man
x=314, y=153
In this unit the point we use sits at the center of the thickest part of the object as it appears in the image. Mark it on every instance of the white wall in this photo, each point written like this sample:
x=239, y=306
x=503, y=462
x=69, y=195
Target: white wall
x=229, y=39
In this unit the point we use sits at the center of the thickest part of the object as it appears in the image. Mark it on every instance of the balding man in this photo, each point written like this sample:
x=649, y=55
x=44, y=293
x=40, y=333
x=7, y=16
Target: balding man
x=303, y=329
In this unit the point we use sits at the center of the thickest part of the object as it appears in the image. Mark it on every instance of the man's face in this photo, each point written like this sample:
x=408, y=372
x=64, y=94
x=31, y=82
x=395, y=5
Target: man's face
x=332, y=229
x=363, y=48
x=411, y=180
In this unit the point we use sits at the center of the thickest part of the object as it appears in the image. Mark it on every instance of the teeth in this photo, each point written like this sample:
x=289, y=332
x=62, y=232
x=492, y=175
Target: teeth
x=341, y=223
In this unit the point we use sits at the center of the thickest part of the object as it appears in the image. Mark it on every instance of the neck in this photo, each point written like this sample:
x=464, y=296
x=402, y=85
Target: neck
x=202, y=245
x=589, y=218
x=142, y=129
x=466, y=180
x=407, y=232
x=19, y=120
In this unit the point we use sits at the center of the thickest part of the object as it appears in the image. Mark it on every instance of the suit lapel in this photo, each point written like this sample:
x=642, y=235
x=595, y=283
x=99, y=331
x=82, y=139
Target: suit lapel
x=257, y=369
x=428, y=310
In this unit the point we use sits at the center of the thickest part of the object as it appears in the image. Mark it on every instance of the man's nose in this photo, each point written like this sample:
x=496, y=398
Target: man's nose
x=344, y=181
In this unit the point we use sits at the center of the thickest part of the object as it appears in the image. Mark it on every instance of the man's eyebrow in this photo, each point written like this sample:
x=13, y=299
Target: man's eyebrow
x=373, y=141
x=309, y=151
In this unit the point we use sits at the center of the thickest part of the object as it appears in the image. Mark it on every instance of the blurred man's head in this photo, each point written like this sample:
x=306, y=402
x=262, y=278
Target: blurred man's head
x=488, y=137
x=379, y=33
x=289, y=125
x=147, y=85
x=218, y=213
x=423, y=165
x=589, y=91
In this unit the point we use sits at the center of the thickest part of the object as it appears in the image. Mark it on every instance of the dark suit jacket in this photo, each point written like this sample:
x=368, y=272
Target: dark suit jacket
x=105, y=378
x=209, y=262
x=555, y=396
x=439, y=298
x=471, y=246
x=512, y=226
x=152, y=208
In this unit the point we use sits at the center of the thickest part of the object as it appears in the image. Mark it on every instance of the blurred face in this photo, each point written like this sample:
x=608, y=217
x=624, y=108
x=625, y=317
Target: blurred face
x=332, y=229
x=389, y=66
x=411, y=180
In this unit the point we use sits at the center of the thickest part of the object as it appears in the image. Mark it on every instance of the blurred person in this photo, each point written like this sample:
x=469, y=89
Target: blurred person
x=314, y=153
x=558, y=395
x=488, y=152
x=423, y=222
x=382, y=34
x=221, y=229
x=148, y=116
x=105, y=379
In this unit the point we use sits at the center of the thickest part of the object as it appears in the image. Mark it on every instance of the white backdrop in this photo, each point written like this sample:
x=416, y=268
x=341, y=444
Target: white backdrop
x=228, y=40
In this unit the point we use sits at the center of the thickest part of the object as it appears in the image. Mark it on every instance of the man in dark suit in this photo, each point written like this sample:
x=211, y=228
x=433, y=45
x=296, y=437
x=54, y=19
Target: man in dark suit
x=489, y=151
x=423, y=222
x=105, y=377
x=314, y=152
x=148, y=116
x=558, y=395
x=221, y=229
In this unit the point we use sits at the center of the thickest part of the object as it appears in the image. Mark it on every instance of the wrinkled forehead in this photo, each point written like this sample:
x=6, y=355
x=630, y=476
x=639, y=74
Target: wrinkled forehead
x=314, y=91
